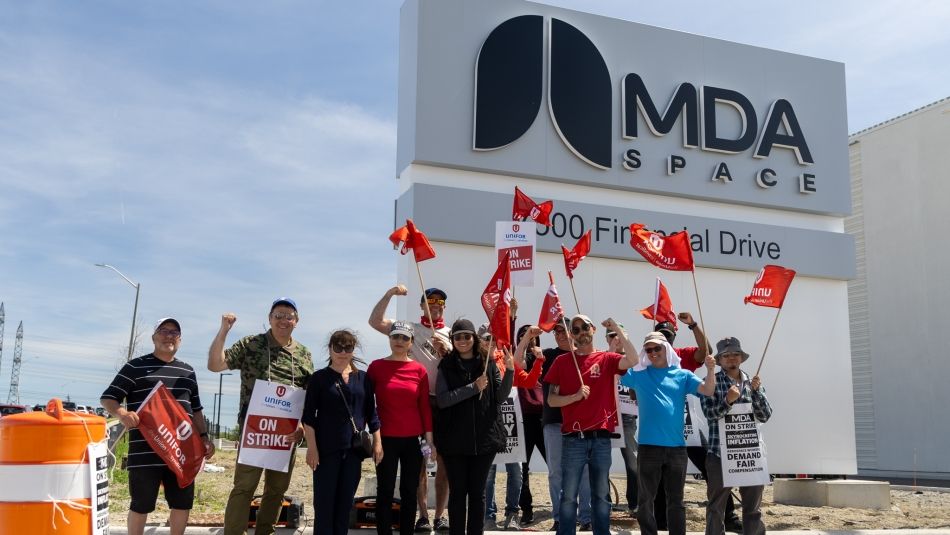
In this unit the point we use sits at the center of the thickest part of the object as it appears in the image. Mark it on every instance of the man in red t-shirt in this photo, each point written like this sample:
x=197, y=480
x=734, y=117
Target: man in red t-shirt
x=582, y=385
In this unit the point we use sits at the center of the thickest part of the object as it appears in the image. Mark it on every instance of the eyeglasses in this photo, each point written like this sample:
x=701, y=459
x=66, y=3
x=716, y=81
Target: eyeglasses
x=168, y=332
x=343, y=348
x=436, y=301
x=584, y=327
x=279, y=316
x=461, y=337
x=652, y=349
x=400, y=337
x=730, y=355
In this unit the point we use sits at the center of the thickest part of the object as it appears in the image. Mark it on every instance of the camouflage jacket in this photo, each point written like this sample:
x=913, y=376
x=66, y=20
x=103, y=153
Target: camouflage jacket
x=292, y=364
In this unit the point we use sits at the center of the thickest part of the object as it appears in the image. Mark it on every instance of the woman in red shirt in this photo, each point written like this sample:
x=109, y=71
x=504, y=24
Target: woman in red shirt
x=401, y=387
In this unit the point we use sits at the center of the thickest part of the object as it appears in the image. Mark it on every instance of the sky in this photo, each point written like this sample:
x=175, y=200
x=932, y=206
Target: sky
x=224, y=153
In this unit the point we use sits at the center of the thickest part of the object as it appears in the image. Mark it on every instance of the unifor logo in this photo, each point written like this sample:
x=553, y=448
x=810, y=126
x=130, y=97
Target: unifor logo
x=516, y=227
x=183, y=431
x=508, y=88
x=656, y=242
x=281, y=390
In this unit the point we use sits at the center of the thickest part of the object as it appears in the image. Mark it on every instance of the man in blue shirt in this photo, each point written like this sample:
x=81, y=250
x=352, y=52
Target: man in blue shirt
x=661, y=386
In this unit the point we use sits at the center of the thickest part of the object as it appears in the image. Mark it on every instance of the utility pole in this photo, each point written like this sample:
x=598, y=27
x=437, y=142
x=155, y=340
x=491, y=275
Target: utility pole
x=3, y=316
x=135, y=309
x=217, y=420
x=14, y=395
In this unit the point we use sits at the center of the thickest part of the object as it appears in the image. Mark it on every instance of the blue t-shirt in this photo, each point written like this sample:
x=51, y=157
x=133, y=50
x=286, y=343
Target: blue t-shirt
x=661, y=396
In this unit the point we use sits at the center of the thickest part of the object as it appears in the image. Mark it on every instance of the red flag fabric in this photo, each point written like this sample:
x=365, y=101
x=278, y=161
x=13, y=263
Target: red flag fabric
x=168, y=429
x=574, y=256
x=496, y=301
x=662, y=308
x=551, y=309
x=525, y=207
x=412, y=238
x=671, y=252
x=771, y=286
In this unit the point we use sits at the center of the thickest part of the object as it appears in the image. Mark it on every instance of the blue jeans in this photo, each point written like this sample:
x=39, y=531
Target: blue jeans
x=512, y=492
x=629, y=454
x=552, y=444
x=594, y=453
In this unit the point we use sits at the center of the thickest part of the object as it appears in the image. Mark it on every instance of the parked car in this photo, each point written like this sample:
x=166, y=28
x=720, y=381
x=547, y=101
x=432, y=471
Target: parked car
x=39, y=408
x=101, y=412
x=6, y=410
x=69, y=406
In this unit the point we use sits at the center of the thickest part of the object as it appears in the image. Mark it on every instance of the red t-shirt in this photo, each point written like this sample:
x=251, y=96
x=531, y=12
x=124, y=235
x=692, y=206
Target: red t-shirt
x=687, y=357
x=402, y=397
x=599, y=410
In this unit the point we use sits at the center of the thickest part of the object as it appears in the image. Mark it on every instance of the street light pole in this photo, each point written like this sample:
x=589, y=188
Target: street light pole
x=135, y=309
x=217, y=420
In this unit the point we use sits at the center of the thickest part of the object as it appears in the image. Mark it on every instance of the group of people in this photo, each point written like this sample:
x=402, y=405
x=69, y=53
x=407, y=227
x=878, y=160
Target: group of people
x=438, y=397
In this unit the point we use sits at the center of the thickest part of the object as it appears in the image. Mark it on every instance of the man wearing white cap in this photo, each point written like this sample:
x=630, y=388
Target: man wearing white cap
x=732, y=386
x=147, y=471
x=661, y=386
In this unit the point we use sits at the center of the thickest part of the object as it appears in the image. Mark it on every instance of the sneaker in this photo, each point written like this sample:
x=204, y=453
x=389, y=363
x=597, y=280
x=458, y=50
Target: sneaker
x=441, y=524
x=586, y=527
x=511, y=523
x=527, y=516
x=422, y=525
x=490, y=524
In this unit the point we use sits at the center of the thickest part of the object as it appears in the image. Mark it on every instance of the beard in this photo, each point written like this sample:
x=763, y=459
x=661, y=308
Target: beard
x=583, y=339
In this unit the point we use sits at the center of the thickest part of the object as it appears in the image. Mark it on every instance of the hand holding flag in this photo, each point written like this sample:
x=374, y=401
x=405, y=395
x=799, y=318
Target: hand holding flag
x=671, y=252
x=524, y=207
x=412, y=238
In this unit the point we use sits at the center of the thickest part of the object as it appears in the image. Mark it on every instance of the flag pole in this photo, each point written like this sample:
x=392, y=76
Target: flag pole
x=702, y=323
x=567, y=332
x=768, y=341
x=425, y=299
x=577, y=306
x=490, y=355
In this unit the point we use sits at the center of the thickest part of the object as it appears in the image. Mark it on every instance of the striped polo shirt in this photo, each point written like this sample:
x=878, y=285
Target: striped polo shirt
x=133, y=383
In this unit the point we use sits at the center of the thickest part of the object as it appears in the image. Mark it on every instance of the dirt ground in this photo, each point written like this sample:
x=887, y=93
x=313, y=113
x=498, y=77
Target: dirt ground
x=909, y=510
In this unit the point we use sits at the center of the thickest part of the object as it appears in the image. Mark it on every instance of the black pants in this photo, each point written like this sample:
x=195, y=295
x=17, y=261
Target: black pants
x=660, y=466
x=404, y=452
x=697, y=455
x=334, y=485
x=533, y=438
x=467, y=476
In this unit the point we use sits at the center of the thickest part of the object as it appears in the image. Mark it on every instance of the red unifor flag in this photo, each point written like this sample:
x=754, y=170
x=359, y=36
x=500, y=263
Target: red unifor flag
x=574, y=256
x=412, y=238
x=551, y=309
x=671, y=252
x=169, y=431
x=662, y=308
x=525, y=207
x=771, y=286
x=496, y=301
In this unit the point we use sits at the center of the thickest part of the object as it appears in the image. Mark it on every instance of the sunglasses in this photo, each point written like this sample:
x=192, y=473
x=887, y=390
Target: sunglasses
x=560, y=330
x=461, y=337
x=436, y=301
x=347, y=348
x=652, y=349
x=174, y=333
x=400, y=337
x=284, y=316
x=584, y=327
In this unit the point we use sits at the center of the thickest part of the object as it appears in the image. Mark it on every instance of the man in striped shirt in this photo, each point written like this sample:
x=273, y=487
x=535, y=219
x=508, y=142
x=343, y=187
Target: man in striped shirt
x=146, y=469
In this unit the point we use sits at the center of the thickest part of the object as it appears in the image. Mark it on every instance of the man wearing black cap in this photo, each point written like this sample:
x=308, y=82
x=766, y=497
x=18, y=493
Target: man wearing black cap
x=732, y=386
x=430, y=345
x=147, y=471
x=271, y=356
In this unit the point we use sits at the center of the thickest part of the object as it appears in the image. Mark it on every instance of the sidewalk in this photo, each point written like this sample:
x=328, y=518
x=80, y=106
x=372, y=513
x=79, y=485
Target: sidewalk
x=120, y=530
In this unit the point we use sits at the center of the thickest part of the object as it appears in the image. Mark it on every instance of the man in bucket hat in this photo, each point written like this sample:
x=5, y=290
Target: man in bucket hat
x=732, y=386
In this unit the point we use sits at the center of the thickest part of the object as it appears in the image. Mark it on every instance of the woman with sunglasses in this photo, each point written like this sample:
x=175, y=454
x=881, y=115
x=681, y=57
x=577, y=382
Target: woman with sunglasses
x=339, y=404
x=469, y=390
x=401, y=386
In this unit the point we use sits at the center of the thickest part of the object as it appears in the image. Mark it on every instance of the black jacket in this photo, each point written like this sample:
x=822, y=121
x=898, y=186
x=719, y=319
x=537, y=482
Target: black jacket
x=469, y=424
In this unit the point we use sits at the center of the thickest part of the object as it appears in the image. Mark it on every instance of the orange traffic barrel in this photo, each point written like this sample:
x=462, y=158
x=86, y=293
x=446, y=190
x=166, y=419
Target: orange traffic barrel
x=47, y=485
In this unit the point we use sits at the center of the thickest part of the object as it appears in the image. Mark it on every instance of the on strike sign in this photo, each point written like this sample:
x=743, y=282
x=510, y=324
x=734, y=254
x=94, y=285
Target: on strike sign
x=273, y=413
x=741, y=448
x=518, y=238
